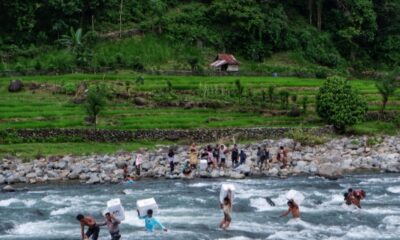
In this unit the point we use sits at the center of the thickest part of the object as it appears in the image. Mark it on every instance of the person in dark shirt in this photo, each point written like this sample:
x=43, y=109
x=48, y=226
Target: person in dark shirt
x=235, y=156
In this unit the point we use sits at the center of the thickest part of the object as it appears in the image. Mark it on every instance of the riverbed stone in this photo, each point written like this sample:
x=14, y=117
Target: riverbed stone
x=93, y=179
x=2, y=179
x=8, y=188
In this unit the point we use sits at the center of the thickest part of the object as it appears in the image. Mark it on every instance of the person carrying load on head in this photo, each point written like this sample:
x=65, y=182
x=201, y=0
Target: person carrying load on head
x=150, y=222
x=113, y=226
x=227, y=209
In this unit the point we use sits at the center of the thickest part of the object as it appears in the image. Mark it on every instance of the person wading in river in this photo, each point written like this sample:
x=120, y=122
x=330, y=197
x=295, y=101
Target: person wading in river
x=93, y=228
x=293, y=209
x=227, y=208
x=150, y=222
x=112, y=225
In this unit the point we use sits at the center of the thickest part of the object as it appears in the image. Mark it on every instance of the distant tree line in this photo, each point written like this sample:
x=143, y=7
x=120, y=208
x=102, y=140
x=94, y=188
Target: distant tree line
x=332, y=33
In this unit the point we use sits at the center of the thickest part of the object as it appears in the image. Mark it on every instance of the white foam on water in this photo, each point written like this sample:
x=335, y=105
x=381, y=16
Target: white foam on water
x=261, y=204
x=62, y=211
x=131, y=218
x=11, y=201
x=395, y=189
x=201, y=184
x=391, y=220
x=364, y=232
x=43, y=229
x=237, y=238
x=380, y=180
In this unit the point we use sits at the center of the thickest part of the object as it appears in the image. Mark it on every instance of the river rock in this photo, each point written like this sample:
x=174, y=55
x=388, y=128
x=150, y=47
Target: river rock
x=329, y=171
x=2, y=179
x=94, y=178
x=53, y=175
x=244, y=169
x=236, y=175
x=15, y=86
x=61, y=165
x=8, y=188
x=31, y=175
x=119, y=174
x=12, y=179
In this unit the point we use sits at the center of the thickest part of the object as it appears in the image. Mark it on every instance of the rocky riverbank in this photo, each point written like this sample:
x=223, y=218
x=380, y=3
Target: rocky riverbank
x=331, y=160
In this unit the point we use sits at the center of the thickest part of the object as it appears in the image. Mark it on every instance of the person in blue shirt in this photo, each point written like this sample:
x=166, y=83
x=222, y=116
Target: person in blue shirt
x=150, y=222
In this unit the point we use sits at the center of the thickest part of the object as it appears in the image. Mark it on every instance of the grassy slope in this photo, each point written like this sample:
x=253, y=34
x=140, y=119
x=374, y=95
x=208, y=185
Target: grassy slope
x=43, y=109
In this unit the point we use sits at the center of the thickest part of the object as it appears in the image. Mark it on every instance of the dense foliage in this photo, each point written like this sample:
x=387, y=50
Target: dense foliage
x=331, y=33
x=340, y=105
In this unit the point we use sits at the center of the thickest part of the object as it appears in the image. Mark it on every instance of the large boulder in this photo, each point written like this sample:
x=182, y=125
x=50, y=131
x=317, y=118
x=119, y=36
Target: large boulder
x=15, y=86
x=8, y=188
x=243, y=169
x=140, y=101
x=329, y=171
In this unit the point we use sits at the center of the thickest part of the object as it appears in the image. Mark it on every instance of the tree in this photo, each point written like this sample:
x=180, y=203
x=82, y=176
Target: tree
x=387, y=88
x=76, y=43
x=338, y=104
x=239, y=89
x=95, y=102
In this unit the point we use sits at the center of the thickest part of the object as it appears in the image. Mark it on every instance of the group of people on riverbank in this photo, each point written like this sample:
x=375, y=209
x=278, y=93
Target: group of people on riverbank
x=216, y=157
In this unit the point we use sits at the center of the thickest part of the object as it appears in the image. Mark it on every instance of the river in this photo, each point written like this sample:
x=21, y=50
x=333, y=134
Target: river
x=189, y=209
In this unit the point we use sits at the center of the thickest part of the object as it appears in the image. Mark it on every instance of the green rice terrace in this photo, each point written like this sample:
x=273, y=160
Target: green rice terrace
x=168, y=102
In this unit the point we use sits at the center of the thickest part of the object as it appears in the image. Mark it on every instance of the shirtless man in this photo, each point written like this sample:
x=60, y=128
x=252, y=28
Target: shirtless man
x=293, y=208
x=93, y=228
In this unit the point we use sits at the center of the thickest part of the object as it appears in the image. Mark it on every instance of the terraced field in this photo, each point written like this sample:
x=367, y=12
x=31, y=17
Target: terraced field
x=43, y=109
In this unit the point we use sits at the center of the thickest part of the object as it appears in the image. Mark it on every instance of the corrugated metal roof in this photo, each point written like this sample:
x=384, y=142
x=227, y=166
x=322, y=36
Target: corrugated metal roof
x=229, y=58
x=218, y=63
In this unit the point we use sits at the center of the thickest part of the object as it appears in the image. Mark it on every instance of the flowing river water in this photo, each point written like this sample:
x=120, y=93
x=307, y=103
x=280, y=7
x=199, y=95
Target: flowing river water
x=190, y=209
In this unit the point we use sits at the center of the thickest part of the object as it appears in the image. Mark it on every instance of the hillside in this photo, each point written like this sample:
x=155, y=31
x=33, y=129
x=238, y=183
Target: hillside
x=267, y=36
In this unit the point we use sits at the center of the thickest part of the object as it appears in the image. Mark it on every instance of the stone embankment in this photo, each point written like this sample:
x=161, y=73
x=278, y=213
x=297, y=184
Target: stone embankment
x=331, y=160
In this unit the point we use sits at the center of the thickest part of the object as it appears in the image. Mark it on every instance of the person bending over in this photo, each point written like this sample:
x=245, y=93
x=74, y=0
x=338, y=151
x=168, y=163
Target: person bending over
x=93, y=228
x=293, y=209
x=150, y=222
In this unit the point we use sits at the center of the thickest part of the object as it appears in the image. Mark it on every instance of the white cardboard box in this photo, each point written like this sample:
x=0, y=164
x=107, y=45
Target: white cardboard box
x=114, y=206
x=146, y=204
x=224, y=191
x=203, y=164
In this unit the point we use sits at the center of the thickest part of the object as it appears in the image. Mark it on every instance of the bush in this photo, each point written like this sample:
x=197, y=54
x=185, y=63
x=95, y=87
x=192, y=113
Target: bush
x=321, y=74
x=38, y=66
x=284, y=97
x=306, y=138
x=396, y=121
x=338, y=104
x=69, y=88
x=294, y=112
x=137, y=65
x=304, y=103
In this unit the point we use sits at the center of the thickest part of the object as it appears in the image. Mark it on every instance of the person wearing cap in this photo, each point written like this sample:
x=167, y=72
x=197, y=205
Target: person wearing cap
x=293, y=209
x=113, y=226
x=150, y=222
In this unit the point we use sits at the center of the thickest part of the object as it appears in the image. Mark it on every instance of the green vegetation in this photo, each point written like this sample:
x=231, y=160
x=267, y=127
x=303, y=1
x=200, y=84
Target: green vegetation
x=32, y=150
x=129, y=45
x=301, y=37
x=338, y=104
